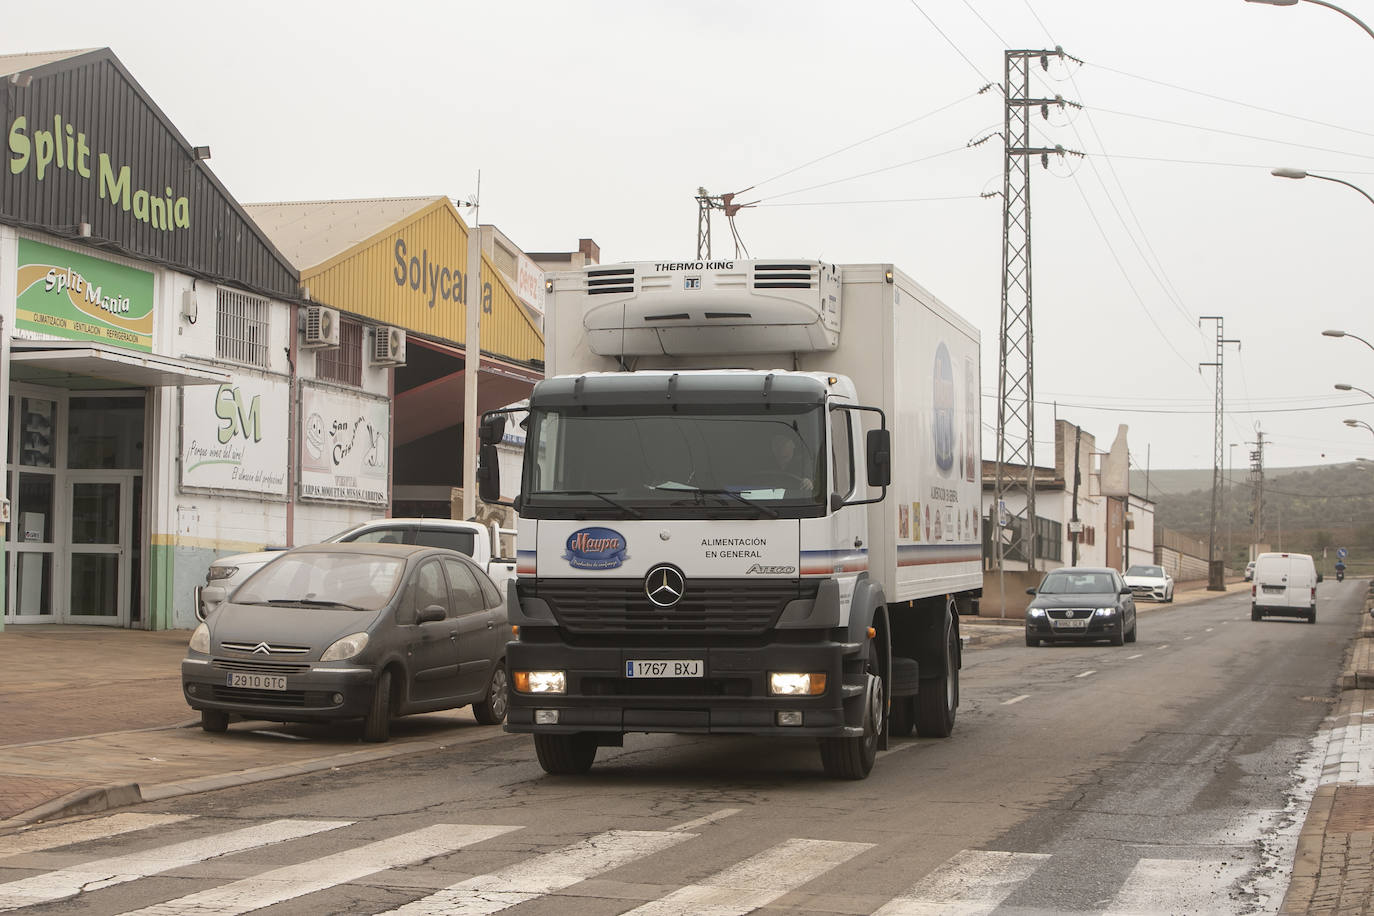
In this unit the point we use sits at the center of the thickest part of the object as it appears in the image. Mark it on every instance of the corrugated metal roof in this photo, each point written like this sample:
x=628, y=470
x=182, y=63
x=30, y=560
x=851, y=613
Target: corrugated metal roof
x=17, y=63
x=313, y=231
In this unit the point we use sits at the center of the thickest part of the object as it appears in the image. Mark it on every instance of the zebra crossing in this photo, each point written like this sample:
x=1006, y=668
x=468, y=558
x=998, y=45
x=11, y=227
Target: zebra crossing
x=971, y=883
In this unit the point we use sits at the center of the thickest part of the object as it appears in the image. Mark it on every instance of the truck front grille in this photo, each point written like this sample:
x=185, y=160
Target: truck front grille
x=619, y=606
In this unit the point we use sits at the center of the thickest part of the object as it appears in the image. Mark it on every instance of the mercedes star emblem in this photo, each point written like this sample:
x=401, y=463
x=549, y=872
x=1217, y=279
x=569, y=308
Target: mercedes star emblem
x=664, y=586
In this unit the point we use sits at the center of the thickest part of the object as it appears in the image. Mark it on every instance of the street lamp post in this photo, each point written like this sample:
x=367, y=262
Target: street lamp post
x=1342, y=386
x=1331, y=6
x=1335, y=333
x=1303, y=173
x=1359, y=423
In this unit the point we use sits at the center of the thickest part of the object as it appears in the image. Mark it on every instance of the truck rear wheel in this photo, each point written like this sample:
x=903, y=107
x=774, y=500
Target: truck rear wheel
x=901, y=717
x=563, y=755
x=939, y=696
x=852, y=758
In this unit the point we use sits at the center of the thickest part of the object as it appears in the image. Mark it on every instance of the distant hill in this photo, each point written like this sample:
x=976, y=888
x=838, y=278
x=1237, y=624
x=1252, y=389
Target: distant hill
x=1306, y=510
x=1178, y=482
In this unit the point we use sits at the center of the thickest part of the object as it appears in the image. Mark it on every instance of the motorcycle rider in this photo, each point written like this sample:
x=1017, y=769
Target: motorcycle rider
x=1340, y=570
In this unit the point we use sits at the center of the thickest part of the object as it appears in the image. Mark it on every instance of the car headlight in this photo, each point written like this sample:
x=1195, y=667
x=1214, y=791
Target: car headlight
x=1106, y=611
x=1036, y=612
x=219, y=572
x=200, y=640
x=344, y=648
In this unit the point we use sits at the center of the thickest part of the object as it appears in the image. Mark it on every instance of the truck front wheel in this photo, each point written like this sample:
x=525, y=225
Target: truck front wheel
x=563, y=755
x=939, y=696
x=852, y=758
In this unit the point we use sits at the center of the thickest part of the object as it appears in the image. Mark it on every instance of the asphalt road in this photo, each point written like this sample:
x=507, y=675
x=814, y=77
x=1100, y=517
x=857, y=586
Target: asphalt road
x=1167, y=776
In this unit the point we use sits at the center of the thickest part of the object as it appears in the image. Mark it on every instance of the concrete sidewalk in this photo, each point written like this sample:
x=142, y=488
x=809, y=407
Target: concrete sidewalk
x=93, y=718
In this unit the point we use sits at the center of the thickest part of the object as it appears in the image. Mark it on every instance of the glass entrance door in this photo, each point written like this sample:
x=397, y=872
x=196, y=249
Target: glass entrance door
x=98, y=559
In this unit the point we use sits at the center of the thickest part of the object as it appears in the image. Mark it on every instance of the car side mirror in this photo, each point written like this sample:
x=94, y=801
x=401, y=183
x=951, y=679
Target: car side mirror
x=1031, y=592
x=1125, y=590
x=432, y=613
x=1319, y=577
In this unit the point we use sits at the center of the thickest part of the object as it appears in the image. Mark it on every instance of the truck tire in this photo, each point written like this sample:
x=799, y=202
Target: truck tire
x=902, y=716
x=939, y=696
x=565, y=755
x=852, y=758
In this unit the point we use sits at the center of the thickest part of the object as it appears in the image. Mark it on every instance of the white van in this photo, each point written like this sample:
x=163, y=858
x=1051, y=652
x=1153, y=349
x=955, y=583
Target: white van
x=1284, y=585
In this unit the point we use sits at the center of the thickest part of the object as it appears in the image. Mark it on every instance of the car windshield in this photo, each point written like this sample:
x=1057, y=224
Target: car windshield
x=354, y=581
x=688, y=460
x=1147, y=572
x=1065, y=583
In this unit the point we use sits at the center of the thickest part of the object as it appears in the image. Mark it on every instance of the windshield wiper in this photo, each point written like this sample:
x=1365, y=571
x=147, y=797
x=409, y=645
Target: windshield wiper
x=758, y=507
x=315, y=602
x=601, y=496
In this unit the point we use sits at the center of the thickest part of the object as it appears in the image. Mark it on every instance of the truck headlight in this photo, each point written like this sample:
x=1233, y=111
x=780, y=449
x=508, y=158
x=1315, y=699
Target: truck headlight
x=788, y=684
x=344, y=648
x=200, y=640
x=540, y=681
x=219, y=572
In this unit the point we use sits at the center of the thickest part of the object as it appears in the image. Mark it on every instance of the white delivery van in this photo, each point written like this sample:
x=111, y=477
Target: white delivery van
x=1284, y=585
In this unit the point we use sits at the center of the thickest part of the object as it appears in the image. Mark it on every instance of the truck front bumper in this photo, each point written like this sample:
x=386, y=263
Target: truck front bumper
x=731, y=696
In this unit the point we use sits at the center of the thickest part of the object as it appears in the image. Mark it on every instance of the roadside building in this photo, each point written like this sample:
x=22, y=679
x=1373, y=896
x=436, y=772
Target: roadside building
x=148, y=356
x=392, y=273
x=1099, y=530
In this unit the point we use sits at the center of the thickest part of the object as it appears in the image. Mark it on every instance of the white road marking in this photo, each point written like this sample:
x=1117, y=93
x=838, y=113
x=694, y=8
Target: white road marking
x=1209, y=629
x=898, y=748
x=755, y=882
x=972, y=883
x=1187, y=637
x=68, y=882
x=1137, y=655
x=292, y=881
x=1175, y=886
x=546, y=874
x=38, y=838
x=1085, y=673
x=708, y=819
x=1165, y=646
x=1024, y=696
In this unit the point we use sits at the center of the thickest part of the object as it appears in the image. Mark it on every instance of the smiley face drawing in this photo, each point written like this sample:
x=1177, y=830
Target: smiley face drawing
x=314, y=436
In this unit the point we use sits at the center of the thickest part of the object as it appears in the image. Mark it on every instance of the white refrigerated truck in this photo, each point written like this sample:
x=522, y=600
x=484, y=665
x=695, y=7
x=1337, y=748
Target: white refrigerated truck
x=749, y=505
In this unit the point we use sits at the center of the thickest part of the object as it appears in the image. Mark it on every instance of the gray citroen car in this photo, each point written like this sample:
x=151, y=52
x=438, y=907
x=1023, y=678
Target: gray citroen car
x=352, y=631
x=1081, y=603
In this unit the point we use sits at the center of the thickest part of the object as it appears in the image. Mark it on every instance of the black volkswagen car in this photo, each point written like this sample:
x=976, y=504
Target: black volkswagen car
x=1081, y=603
x=352, y=631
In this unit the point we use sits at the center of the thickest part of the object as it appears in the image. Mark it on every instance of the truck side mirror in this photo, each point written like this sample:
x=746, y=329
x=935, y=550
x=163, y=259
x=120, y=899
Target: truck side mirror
x=879, y=444
x=488, y=470
x=493, y=429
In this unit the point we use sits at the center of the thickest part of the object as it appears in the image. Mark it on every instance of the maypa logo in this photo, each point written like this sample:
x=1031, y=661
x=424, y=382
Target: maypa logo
x=595, y=548
x=944, y=411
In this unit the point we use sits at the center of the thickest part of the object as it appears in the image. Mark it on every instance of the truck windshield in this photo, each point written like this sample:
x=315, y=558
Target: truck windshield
x=688, y=461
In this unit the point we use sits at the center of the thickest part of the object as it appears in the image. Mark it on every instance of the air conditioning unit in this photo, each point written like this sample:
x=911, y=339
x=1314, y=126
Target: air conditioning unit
x=321, y=327
x=388, y=346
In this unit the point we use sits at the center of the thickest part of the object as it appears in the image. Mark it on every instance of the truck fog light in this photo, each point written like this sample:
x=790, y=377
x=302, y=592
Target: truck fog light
x=788, y=684
x=789, y=717
x=546, y=717
x=540, y=682
x=338, y=699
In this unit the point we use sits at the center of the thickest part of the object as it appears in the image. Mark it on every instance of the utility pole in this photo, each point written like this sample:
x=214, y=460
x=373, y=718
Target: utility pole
x=1257, y=485
x=706, y=202
x=1014, y=494
x=1216, y=574
x=1076, y=526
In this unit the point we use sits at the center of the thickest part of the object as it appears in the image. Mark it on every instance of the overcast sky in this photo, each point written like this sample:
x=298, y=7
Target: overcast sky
x=850, y=123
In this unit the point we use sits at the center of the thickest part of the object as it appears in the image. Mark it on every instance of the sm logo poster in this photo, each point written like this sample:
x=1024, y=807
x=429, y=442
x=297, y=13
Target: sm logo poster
x=234, y=436
x=78, y=297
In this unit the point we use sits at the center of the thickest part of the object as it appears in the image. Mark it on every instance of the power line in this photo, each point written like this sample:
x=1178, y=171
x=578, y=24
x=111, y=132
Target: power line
x=886, y=168
x=949, y=41
x=889, y=200
x=1230, y=133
